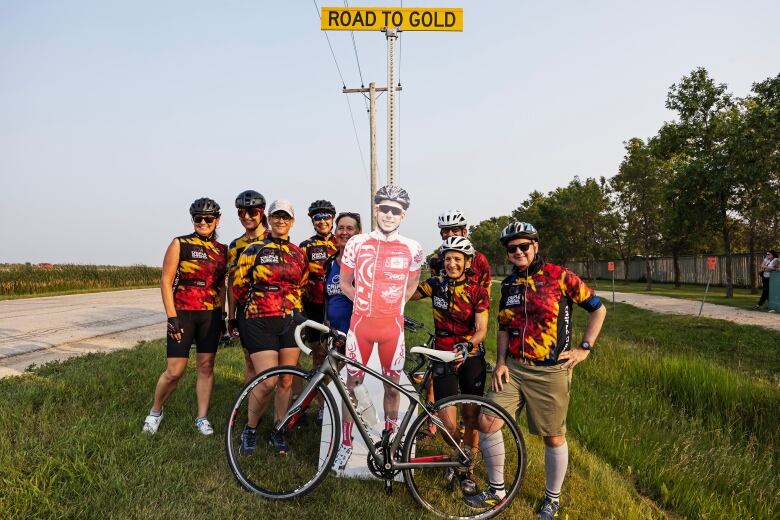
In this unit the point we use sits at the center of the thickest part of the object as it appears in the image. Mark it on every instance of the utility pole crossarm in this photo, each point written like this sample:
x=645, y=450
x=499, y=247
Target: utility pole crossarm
x=346, y=90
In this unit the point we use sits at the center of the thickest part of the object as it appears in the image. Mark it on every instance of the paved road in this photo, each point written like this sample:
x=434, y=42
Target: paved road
x=38, y=330
x=668, y=305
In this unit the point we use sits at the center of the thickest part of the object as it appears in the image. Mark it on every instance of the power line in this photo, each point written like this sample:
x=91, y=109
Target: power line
x=349, y=105
x=357, y=59
x=343, y=83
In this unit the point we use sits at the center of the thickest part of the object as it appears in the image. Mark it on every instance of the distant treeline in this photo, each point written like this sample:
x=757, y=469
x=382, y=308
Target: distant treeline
x=707, y=182
x=28, y=279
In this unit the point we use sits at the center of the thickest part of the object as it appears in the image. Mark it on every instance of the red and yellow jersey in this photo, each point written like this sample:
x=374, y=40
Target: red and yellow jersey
x=479, y=270
x=237, y=247
x=200, y=275
x=317, y=250
x=455, y=308
x=536, y=311
x=270, y=277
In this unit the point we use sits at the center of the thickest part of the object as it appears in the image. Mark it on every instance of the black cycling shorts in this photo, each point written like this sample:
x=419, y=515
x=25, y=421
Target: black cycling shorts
x=314, y=312
x=469, y=379
x=241, y=323
x=200, y=327
x=269, y=333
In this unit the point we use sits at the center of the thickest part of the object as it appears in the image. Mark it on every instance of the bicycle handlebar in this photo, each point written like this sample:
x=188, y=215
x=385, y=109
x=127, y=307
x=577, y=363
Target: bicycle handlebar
x=308, y=323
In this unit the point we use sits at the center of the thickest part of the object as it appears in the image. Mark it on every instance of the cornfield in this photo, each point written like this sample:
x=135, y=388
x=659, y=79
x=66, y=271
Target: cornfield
x=26, y=279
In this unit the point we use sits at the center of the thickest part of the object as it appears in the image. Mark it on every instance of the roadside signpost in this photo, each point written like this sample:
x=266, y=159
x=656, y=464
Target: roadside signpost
x=712, y=264
x=611, y=269
x=391, y=21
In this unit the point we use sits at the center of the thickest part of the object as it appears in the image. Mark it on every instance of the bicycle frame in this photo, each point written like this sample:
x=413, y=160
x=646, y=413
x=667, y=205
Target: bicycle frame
x=327, y=369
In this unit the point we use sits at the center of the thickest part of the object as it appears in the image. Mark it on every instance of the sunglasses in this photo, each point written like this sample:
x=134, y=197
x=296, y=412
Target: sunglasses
x=251, y=212
x=321, y=216
x=390, y=209
x=281, y=217
x=524, y=247
x=208, y=219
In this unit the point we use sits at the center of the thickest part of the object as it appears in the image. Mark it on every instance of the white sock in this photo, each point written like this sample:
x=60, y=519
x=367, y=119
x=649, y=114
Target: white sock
x=494, y=453
x=556, y=461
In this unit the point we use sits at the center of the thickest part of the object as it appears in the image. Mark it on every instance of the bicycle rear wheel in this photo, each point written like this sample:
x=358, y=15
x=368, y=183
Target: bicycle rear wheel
x=312, y=448
x=439, y=490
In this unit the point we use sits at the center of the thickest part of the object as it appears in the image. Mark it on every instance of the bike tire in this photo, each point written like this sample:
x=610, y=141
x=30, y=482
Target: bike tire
x=312, y=448
x=431, y=488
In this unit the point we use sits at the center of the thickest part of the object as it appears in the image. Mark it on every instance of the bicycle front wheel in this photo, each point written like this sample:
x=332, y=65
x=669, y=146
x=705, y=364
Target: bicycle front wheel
x=457, y=493
x=258, y=461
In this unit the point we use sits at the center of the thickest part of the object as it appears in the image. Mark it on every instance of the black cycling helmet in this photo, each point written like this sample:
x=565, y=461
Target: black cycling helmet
x=321, y=206
x=250, y=199
x=394, y=193
x=204, y=206
x=518, y=230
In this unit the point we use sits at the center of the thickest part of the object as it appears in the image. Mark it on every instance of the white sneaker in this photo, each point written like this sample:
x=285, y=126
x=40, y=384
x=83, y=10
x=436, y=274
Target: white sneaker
x=151, y=423
x=204, y=426
x=342, y=457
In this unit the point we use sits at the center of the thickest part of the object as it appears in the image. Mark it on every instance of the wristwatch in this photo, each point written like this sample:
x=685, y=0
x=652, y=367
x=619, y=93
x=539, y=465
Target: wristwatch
x=585, y=345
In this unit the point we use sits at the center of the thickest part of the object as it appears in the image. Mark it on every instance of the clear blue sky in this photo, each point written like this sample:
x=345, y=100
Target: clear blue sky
x=114, y=116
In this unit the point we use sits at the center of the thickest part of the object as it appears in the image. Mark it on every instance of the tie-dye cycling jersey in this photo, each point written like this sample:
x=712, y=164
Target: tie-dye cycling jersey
x=381, y=266
x=455, y=308
x=200, y=275
x=237, y=247
x=317, y=250
x=480, y=268
x=269, y=279
x=537, y=313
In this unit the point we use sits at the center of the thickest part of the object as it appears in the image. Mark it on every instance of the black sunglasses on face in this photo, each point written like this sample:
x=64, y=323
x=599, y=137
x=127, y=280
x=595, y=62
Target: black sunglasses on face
x=524, y=247
x=390, y=209
x=208, y=219
x=251, y=212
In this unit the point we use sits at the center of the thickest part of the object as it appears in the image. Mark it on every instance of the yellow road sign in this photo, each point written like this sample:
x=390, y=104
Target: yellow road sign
x=377, y=18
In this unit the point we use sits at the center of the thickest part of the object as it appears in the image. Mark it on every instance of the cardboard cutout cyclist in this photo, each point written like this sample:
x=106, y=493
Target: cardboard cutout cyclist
x=385, y=269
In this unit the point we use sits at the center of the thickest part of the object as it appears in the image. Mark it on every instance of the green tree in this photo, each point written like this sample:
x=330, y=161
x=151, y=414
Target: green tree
x=639, y=188
x=706, y=121
x=485, y=237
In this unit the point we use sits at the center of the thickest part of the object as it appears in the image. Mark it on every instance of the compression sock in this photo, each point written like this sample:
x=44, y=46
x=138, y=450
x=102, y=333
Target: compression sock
x=493, y=451
x=556, y=460
x=346, y=433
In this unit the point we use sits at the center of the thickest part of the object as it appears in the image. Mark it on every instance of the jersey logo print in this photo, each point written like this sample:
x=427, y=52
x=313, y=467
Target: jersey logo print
x=395, y=277
x=397, y=263
x=269, y=259
x=514, y=299
x=439, y=302
x=198, y=254
x=392, y=294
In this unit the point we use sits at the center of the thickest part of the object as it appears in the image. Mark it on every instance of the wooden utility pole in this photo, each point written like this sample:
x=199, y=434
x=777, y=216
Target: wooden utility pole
x=372, y=90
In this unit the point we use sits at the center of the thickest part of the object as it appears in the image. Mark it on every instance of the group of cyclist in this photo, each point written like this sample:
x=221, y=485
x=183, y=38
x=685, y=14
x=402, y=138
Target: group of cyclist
x=360, y=283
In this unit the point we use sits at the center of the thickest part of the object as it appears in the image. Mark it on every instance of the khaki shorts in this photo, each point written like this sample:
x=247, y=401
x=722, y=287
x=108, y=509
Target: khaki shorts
x=543, y=390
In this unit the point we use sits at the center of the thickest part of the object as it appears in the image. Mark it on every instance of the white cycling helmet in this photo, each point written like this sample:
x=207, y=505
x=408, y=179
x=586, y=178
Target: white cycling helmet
x=460, y=244
x=518, y=230
x=452, y=218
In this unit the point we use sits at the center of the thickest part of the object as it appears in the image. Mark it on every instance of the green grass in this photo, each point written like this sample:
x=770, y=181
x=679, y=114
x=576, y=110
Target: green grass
x=71, y=447
x=742, y=299
x=22, y=281
x=670, y=417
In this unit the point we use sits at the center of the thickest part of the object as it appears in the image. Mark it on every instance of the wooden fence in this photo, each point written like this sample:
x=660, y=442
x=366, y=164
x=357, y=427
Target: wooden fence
x=693, y=269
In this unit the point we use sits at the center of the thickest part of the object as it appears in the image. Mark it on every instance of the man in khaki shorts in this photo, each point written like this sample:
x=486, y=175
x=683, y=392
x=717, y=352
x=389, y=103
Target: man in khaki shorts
x=535, y=361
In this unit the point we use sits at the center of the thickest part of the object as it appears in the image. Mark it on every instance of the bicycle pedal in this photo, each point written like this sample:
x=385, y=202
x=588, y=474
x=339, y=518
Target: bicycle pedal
x=388, y=487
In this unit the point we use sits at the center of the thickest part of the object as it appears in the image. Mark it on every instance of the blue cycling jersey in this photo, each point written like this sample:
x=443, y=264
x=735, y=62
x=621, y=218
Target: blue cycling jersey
x=339, y=307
